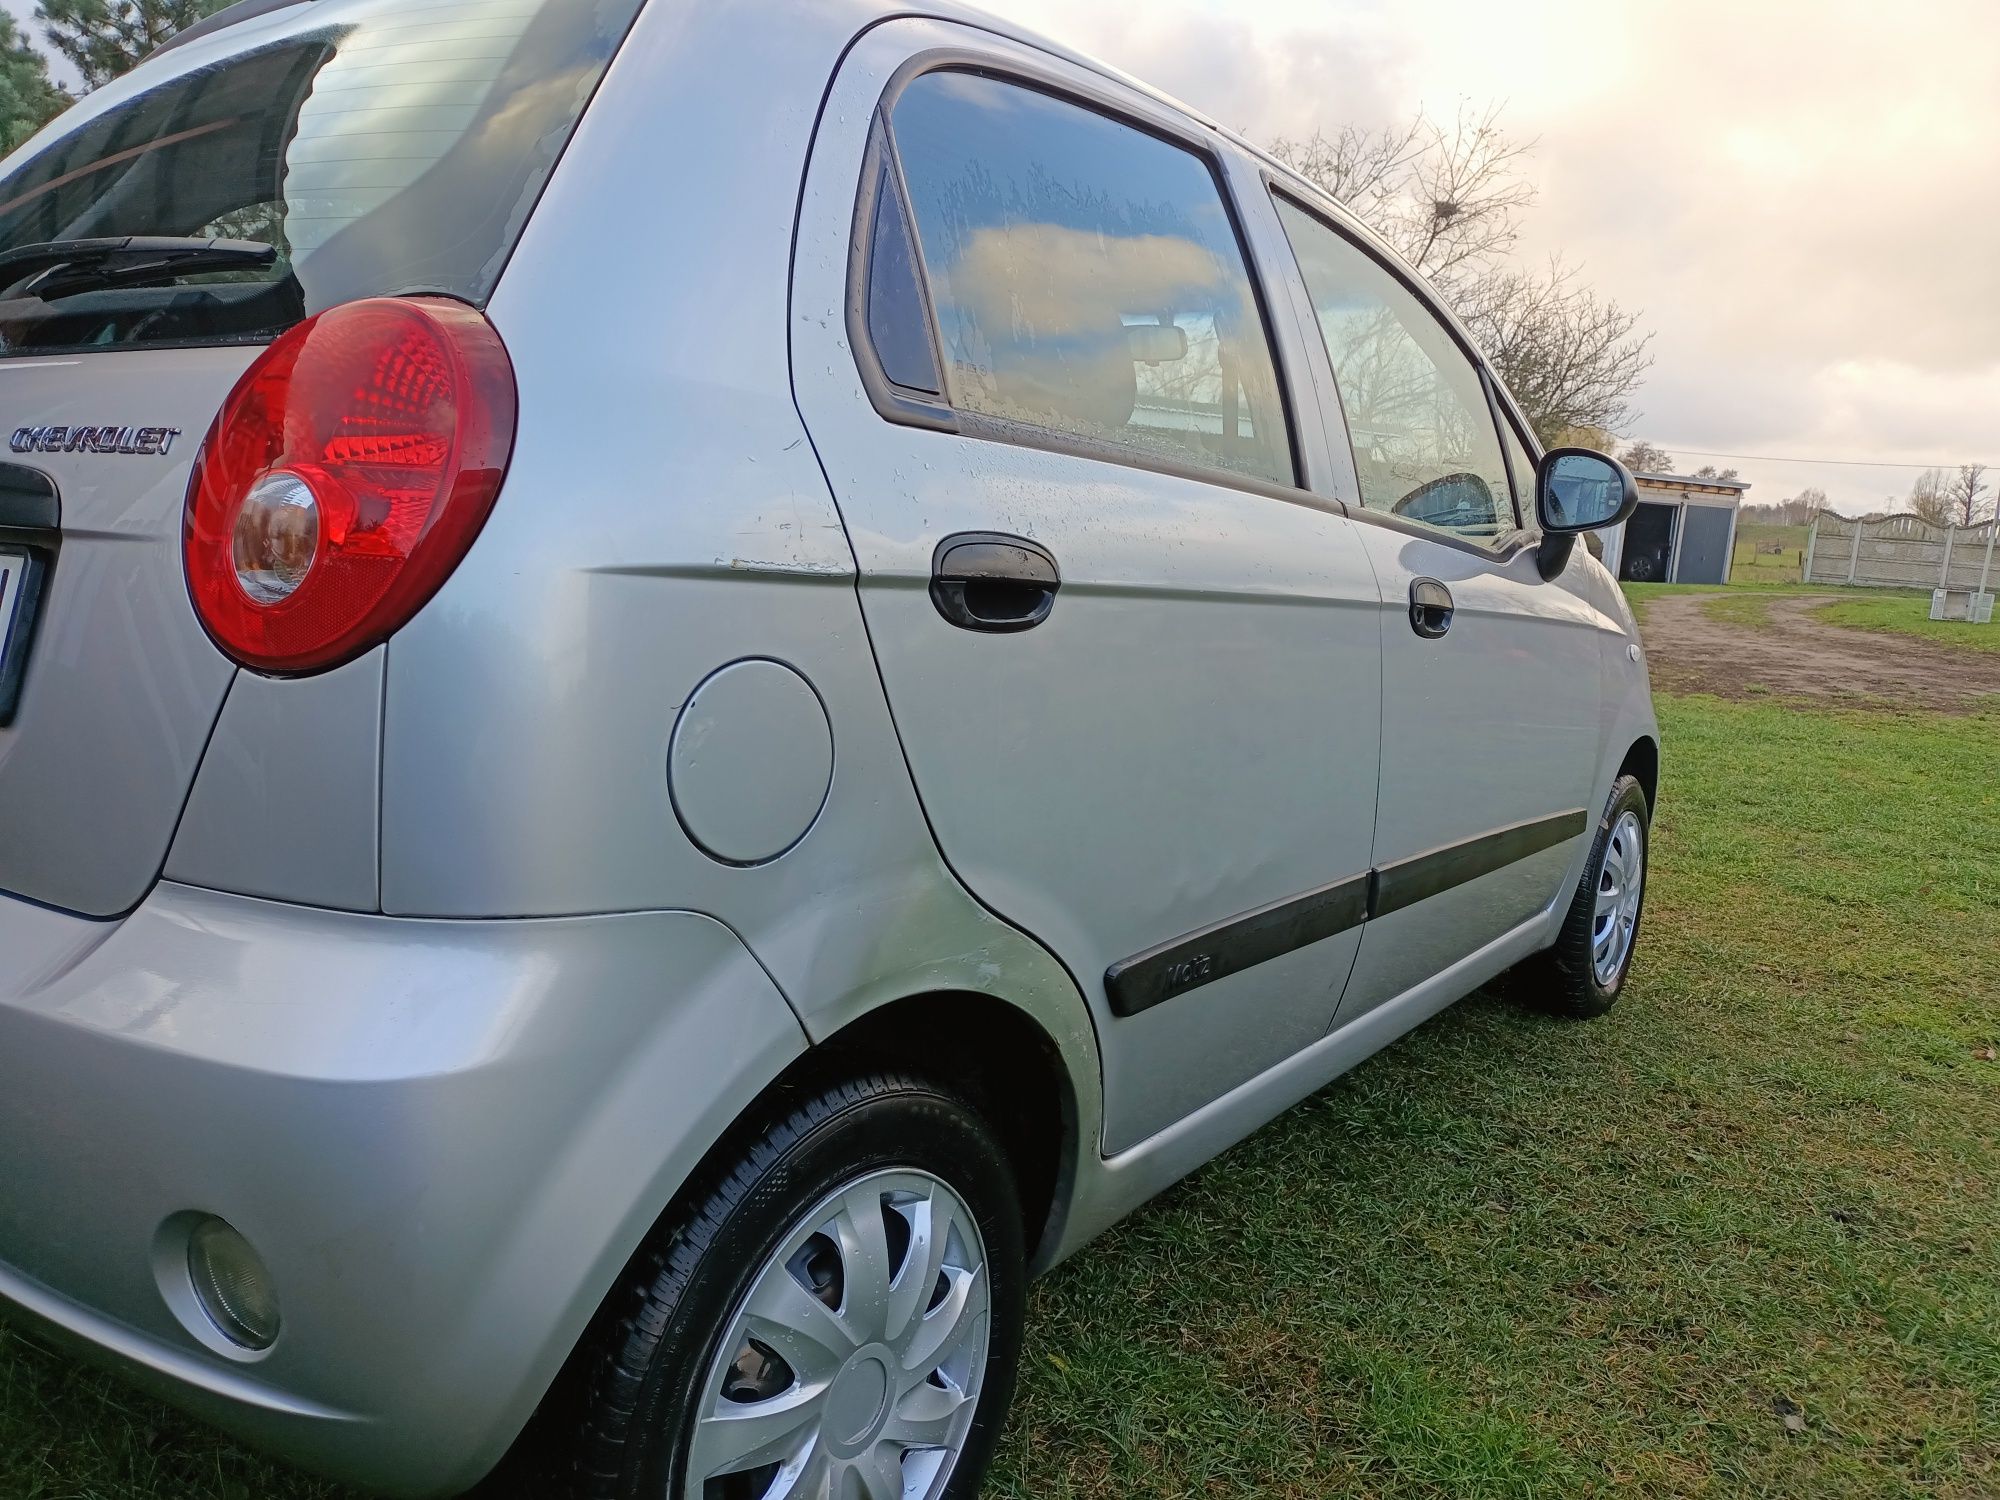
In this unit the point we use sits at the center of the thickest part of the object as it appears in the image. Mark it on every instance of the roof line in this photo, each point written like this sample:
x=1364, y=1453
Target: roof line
x=1686, y=479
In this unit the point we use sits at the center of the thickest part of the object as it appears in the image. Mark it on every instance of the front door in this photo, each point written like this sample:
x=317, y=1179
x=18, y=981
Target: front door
x=1135, y=665
x=1490, y=716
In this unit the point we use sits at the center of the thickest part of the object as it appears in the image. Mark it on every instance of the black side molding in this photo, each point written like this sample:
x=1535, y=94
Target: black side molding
x=1421, y=876
x=1237, y=943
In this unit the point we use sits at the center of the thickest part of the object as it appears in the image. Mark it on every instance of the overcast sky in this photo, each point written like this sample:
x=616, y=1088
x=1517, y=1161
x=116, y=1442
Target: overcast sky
x=1803, y=196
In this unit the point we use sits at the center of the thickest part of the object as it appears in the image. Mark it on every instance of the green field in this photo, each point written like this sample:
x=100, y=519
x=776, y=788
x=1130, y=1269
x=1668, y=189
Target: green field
x=1733, y=608
x=1768, y=554
x=1743, y=602
x=1904, y=614
x=1737, y=1239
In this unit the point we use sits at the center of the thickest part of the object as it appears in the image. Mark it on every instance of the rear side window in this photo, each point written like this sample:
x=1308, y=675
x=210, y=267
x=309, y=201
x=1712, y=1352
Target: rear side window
x=1085, y=277
x=1425, y=446
x=381, y=146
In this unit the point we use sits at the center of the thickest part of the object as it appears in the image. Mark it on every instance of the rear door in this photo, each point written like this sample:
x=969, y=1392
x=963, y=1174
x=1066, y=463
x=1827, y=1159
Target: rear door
x=1134, y=662
x=1491, y=688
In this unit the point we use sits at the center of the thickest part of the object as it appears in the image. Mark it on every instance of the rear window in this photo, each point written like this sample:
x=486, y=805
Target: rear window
x=382, y=146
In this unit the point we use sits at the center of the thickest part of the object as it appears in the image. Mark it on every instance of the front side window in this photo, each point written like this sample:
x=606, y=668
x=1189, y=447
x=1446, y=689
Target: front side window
x=1425, y=447
x=1086, y=279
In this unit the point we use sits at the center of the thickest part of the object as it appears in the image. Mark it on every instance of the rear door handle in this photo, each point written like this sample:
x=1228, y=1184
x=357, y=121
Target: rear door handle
x=1431, y=608
x=989, y=581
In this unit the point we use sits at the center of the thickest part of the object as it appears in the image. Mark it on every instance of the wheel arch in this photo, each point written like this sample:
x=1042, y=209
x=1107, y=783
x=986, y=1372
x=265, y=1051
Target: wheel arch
x=1642, y=761
x=1004, y=1058
x=1005, y=1062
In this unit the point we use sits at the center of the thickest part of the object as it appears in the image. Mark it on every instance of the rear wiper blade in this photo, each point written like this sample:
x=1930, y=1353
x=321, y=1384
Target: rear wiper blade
x=66, y=266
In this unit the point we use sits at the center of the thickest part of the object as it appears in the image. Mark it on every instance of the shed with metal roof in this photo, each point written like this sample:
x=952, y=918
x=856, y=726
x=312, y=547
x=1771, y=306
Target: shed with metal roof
x=1683, y=531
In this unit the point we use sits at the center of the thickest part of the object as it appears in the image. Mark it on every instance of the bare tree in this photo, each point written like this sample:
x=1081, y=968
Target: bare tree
x=1642, y=457
x=1927, y=498
x=1569, y=356
x=1449, y=199
x=1709, y=471
x=1965, y=495
x=1365, y=169
x=1600, y=438
x=1801, y=509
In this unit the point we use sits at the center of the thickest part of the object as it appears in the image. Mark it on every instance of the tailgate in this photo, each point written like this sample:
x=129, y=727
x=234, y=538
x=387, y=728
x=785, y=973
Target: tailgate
x=121, y=684
x=365, y=148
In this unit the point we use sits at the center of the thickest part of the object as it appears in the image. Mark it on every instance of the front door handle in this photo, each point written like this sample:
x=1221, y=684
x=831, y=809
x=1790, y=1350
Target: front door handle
x=1431, y=608
x=988, y=581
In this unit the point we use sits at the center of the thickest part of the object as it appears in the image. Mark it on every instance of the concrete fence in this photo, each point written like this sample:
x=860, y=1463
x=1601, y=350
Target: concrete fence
x=1902, y=552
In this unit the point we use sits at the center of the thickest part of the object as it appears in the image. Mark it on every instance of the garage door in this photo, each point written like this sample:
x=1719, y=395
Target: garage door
x=1704, y=544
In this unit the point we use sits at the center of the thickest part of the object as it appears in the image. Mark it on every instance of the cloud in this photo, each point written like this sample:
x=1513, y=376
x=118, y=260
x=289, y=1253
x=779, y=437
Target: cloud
x=1272, y=74
x=1803, y=197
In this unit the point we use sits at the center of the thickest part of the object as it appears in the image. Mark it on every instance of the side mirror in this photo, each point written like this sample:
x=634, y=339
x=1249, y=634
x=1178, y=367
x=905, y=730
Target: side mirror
x=1578, y=490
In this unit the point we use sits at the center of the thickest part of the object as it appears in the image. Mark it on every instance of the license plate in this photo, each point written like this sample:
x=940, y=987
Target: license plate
x=16, y=603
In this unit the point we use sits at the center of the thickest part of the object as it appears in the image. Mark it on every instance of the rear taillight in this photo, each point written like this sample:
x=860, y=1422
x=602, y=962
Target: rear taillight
x=345, y=477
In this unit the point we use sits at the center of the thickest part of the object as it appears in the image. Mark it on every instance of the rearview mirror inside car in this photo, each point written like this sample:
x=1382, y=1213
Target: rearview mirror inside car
x=1156, y=343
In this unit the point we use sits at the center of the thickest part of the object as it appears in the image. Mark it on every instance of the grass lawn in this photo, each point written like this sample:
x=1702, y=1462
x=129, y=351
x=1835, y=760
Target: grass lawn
x=1754, y=559
x=1737, y=608
x=1737, y=1239
x=1743, y=601
x=1512, y=1257
x=1906, y=614
x=1638, y=595
x=1739, y=601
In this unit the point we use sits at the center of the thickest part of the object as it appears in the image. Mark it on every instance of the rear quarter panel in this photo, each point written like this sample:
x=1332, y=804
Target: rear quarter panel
x=665, y=515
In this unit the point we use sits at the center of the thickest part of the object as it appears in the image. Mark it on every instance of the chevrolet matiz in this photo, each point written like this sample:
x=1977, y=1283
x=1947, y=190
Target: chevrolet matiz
x=683, y=688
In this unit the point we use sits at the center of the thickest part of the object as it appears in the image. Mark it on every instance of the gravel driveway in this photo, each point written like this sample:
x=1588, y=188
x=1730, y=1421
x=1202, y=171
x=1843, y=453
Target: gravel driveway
x=1799, y=656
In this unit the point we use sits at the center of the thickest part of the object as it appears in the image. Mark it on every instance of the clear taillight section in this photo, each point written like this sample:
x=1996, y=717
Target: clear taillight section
x=345, y=477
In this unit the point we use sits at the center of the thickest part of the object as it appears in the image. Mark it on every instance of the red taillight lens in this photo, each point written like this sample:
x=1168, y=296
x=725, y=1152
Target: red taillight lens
x=345, y=477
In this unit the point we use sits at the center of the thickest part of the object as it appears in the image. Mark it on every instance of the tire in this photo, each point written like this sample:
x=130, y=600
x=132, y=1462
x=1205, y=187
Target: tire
x=773, y=1258
x=1578, y=977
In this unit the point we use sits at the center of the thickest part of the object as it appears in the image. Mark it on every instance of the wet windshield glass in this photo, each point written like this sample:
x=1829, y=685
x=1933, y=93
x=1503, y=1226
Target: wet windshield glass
x=381, y=146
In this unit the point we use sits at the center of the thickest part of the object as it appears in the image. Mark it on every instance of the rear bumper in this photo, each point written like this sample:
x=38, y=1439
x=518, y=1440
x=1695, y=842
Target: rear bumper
x=443, y=1138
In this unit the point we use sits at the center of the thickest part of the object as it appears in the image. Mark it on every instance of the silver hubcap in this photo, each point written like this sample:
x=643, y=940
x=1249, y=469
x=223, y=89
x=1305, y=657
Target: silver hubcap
x=1620, y=885
x=852, y=1368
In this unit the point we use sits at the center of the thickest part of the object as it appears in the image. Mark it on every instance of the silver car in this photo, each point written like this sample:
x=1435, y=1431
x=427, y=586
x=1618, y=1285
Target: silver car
x=685, y=687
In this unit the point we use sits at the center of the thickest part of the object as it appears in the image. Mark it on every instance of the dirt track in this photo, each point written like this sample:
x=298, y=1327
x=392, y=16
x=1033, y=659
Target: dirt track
x=1798, y=656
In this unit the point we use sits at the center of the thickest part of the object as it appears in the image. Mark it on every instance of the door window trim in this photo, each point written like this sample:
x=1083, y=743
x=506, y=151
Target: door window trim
x=909, y=408
x=1508, y=547
x=1489, y=385
x=1508, y=412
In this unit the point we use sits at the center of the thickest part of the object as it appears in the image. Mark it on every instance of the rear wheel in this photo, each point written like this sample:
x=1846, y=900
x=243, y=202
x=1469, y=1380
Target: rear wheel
x=1585, y=972
x=838, y=1319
